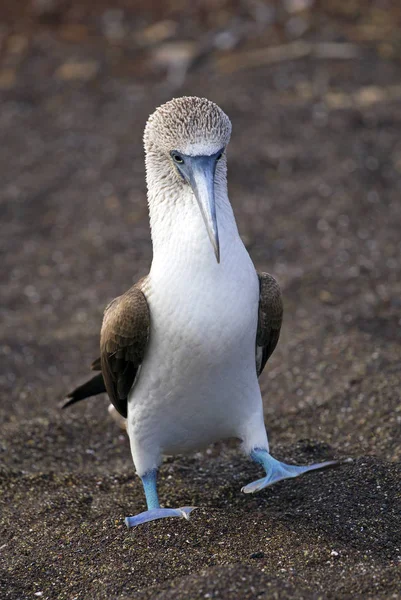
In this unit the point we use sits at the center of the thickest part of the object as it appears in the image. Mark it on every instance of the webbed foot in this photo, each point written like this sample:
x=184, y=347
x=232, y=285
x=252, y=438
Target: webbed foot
x=277, y=471
x=158, y=513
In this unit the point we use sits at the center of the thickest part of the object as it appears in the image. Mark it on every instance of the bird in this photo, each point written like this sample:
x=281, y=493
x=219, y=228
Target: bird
x=181, y=351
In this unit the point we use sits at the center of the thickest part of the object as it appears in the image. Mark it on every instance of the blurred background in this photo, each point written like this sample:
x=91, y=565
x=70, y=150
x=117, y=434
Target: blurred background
x=313, y=89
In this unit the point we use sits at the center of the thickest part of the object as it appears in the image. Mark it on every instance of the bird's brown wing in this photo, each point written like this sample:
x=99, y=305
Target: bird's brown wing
x=269, y=319
x=123, y=341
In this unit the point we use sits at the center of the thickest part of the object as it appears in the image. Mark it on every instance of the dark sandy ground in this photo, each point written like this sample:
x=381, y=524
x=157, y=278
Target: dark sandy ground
x=315, y=181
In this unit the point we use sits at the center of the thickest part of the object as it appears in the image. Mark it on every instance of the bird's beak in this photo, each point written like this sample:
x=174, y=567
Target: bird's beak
x=199, y=172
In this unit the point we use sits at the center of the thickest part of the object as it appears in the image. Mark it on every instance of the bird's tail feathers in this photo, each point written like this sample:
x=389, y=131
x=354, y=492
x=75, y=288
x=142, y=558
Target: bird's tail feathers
x=91, y=388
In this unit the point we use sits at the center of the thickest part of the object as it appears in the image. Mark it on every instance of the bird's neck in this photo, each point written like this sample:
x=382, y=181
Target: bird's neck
x=179, y=235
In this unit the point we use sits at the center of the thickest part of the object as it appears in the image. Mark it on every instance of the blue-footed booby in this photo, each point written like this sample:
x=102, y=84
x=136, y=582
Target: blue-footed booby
x=182, y=350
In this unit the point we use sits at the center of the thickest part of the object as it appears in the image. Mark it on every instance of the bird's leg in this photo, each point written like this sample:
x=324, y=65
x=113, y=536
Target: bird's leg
x=276, y=470
x=152, y=500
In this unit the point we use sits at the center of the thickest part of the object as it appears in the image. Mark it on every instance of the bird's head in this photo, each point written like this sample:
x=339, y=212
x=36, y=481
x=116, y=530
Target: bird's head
x=185, y=142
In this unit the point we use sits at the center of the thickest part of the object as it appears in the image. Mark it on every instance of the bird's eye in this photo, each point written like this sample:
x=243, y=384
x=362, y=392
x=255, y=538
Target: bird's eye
x=178, y=159
x=219, y=156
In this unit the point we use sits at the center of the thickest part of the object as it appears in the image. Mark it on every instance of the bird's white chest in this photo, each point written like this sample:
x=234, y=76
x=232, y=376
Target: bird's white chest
x=208, y=302
x=199, y=376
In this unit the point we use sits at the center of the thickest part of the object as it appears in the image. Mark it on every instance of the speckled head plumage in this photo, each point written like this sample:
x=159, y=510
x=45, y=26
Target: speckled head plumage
x=184, y=142
x=189, y=125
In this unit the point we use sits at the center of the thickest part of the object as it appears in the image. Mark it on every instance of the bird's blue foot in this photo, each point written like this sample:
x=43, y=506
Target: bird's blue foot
x=154, y=511
x=276, y=470
x=158, y=513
